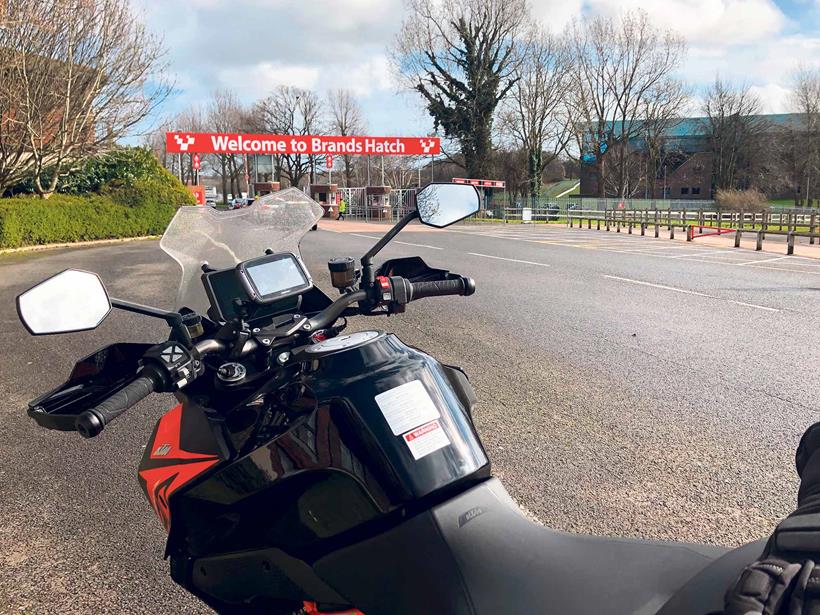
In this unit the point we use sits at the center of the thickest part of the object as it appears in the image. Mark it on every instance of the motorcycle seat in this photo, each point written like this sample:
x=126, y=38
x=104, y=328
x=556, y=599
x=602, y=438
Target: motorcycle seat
x=477, y=554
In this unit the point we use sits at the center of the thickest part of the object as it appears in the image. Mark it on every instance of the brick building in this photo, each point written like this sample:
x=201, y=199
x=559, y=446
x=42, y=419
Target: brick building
x=684, y=169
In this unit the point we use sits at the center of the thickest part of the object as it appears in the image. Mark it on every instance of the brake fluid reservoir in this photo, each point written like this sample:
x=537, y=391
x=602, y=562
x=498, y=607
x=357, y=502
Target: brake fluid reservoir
x=405, y=411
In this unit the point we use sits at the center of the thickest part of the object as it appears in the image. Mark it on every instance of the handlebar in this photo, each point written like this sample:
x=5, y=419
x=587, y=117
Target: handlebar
x=459, y=286
x=91, y=422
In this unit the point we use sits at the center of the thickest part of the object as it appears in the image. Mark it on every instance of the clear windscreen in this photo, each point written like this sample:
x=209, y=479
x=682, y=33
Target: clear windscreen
x=223, y=239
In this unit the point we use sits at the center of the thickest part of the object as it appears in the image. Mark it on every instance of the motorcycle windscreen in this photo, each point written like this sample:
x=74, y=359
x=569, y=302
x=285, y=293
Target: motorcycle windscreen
x=223, y=239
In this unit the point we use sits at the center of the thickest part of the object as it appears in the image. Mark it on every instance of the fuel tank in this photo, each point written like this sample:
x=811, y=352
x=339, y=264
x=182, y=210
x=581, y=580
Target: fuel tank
x=388, y=432
x=408, y=411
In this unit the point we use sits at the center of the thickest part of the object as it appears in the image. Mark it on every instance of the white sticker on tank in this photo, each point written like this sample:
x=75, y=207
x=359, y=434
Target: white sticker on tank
x=407, y=406
x=426, y=439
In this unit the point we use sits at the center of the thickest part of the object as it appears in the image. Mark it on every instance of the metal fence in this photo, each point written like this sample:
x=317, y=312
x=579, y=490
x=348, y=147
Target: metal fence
x=789, y=224
x=377, y=207
x=391, y=207
x=772, y=220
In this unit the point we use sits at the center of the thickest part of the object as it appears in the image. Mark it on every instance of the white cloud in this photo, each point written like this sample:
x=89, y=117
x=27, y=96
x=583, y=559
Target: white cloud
x=555, y=15
x=258, y=80
x=768, y=61
x=363, y=78
x=774, y=97
x=725, y=22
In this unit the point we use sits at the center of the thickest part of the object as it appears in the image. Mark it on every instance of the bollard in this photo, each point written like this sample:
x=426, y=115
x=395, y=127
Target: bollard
x=737, y=238
x=630, y=228
x=759, y=245
x=790, y=244
x=643, y=229
x=570, y=221
x=598, y=224
x=690, y=231
x=589, y=224
x=617, y=226
x=657, y=230
x=672, y=232
x=812, y=227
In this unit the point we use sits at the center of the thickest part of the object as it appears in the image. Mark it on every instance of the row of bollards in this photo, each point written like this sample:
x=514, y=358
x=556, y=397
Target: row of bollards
x=760, y=234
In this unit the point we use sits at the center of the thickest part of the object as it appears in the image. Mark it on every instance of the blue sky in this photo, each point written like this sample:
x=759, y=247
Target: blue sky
x=250, y=46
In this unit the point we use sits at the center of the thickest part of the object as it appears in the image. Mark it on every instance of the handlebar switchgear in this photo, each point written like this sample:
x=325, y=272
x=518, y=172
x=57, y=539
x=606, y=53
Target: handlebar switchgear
x=166, y=367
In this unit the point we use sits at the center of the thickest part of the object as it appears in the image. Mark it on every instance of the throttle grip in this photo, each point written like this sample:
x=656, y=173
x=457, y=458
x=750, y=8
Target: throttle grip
x=91, y=422
x=459, y=286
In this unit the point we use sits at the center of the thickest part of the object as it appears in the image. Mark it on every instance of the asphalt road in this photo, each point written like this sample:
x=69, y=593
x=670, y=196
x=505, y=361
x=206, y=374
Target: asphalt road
x=627, y=386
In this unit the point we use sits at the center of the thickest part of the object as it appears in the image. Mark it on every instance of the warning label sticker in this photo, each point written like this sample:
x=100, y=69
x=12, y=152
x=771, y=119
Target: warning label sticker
x=426, y=439
x=407, y=406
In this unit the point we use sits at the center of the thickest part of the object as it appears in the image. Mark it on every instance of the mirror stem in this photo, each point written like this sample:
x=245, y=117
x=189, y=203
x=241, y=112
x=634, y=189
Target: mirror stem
x=367, y=260
x=174, y=319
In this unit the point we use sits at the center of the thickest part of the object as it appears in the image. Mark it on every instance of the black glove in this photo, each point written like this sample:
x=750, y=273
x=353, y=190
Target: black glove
x=784, y=580
x=774, y=586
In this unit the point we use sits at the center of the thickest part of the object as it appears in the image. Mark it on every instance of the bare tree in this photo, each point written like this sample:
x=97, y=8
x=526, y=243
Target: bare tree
x=462, y=56
x=511, y=166
x=661, y=112
x=534, y=114
x=806, y=102
x=346, y=120
x=225, y=114
x=79, y=74
x=293, y=111
x=620, y=65
x=735, y=130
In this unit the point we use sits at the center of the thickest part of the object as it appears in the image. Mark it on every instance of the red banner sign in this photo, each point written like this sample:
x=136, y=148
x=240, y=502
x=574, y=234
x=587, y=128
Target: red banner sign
x=481, y=183
x=229, y=143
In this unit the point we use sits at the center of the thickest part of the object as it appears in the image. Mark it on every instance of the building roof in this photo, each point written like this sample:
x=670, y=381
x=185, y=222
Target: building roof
x=697, y=126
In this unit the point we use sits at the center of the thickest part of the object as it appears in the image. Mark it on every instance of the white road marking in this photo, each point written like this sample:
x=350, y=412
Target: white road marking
x=691, y=292
x=765, y=260
x=661, y=286
x=783, y=269
x=418, y=245
x=702, y=253
x=365, y=236
x=752, y=305
x=512, y=260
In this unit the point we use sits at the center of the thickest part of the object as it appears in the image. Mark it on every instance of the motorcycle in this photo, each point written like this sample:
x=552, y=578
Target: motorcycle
x=308, y=470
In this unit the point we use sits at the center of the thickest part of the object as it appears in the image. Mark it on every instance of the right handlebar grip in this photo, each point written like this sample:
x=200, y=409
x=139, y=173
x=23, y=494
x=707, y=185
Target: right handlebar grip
x=437, y=288
x=91, y=422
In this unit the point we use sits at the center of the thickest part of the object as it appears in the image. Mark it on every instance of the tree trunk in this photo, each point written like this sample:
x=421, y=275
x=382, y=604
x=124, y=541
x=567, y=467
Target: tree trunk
x=348, y=171
x=224, y=180
x=477, y=148
x=534, y=160
x=48, y=190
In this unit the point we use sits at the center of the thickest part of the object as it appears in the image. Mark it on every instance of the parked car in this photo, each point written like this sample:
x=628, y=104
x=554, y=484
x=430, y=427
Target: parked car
x=239, y=203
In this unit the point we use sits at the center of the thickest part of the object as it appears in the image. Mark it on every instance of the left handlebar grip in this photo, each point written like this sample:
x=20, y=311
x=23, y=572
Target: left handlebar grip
x=91, y=422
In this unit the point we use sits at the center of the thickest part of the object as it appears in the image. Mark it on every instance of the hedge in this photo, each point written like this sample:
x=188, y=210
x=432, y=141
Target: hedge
x=125, y=193
x=122, y=165
x=142, y=207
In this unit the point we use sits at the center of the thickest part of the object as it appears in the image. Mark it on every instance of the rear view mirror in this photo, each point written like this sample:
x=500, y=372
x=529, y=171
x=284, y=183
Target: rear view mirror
x=441, y=205
x=69, y=301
